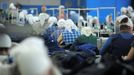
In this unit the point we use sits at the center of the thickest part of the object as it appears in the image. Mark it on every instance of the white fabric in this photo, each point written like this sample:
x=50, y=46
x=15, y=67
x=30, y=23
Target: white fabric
x=81, y=18
x=32, y=57
x=70, y=25
x=89, y=19
x=52, y=20
x=87, y=31
x=130, y=9
x=43, y=17
x=5, y=41
x=7, y=69
x=3, y=58
x=72, y=12
x=124, y=10
x=22, y=15
x=61, y=7
x=61, y=23
x=121, y=17
x=12, y=6
x=35, y=19
x=95, y=19
x=29, y=18
x=129, y=23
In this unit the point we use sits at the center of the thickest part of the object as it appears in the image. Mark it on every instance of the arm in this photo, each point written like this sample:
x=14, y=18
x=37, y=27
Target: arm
x=130, y=55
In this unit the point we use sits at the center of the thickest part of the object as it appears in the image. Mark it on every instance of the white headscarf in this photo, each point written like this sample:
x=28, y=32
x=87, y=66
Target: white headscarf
x=61, y=7
x=89, y=18
x=129, y=23
x=31, y=57
x=70, y=25
x=52, y=20
x=87, y=31
x=29, y=18
x=130, y=9
x=35, y=19
x=124, y=10
x=72, y=12
x=61, y=23
x=12, y=6
x=81, y=18
x=43, y=17
x=81, y=21
x=5, y=41
x=22, y=14
x=95, y=18
x=107, y=19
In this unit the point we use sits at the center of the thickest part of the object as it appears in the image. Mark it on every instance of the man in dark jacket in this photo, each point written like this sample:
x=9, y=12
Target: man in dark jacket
x=120, y=44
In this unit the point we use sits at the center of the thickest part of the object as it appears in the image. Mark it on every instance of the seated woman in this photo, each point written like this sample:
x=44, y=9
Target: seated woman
x=70, y=34
x=87, y=36
x=109, y=25
x=130, y=55
x=60, y=29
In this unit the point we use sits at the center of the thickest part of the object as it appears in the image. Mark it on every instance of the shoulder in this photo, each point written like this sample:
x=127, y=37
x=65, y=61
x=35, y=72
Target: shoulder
x=115, y=35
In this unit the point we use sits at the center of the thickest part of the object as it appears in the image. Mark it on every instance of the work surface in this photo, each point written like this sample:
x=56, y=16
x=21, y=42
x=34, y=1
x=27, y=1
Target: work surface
x=18, y=33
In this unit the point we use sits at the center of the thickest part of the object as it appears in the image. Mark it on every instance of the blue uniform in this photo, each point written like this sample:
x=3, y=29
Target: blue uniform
x=121, y=43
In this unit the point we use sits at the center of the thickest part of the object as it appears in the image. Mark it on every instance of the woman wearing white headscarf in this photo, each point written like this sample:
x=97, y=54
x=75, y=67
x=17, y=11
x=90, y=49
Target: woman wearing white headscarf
x=52, y=26
x=81, y=22
x=130, y=9
x=61, y=27
x=89, y=18
x=87, y=36
x=124, y=11
x=6, y=66
x=22, y=16
x=52, y=21
x=31, y=57
x=70, y=25
x=62, y=14
x=74, y=16
x=95, y=23
x=109, y=23
x=13, y=12
x=70, y=34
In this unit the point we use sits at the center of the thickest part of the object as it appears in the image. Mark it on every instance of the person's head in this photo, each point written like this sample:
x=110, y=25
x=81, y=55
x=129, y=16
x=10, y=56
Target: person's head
x=5, y=44
x=109, y=19
x=61, y=23
x=31, y=57
x=124, y=11
x=43, y=8
x=61, y=9
x=52, y=20
x=70, y=25
x=43, y=17
x=130, y=9
x=126, y=24
x=12, y=6
x=95, y=21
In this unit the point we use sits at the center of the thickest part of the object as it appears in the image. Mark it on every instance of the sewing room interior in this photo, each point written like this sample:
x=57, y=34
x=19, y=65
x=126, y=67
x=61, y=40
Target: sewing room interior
x=67, y=37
